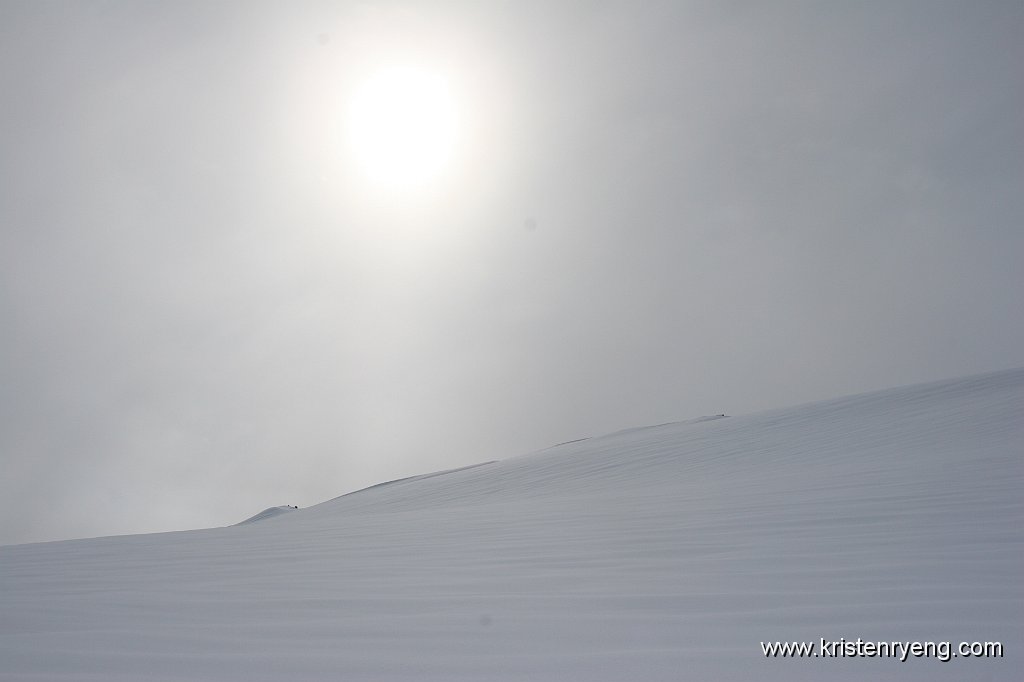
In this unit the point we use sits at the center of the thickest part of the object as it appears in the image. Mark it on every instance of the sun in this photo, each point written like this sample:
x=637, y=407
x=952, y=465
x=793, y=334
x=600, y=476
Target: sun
x=403, y=127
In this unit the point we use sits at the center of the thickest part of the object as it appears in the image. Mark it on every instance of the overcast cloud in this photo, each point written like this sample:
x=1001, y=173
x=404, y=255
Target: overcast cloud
x=664, y=210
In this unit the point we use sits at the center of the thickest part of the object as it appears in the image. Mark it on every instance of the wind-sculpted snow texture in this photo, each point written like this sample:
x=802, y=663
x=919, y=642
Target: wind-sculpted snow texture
x=665, y=553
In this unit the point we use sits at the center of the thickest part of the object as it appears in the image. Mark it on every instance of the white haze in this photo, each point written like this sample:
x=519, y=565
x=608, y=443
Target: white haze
x=662, y=210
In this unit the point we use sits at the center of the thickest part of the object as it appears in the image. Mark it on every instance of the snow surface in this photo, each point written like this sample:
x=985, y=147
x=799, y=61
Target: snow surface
x=268, y=513
x=665, y=553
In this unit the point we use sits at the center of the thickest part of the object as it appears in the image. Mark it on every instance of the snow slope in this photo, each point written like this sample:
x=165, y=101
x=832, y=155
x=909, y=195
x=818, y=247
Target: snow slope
x=268, y=513
x=665, y=553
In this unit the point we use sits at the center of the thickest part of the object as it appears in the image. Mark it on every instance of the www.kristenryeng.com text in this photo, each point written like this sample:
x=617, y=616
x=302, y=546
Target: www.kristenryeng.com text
x=903, y=651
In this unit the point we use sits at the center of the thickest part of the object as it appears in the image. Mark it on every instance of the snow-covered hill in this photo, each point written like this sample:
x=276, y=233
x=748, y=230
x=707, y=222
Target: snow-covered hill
x=268, y=513
x=664, y=553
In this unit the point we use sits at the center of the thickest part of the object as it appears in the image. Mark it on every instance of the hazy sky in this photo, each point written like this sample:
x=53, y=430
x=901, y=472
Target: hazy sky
x=654, y=211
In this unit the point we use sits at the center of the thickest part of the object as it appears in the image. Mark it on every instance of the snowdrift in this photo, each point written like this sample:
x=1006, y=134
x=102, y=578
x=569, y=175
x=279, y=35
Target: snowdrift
x=268, y=513
x=664, y=553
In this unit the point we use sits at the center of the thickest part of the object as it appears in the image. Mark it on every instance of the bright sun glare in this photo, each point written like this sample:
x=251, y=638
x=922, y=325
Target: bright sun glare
x=403, y=128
